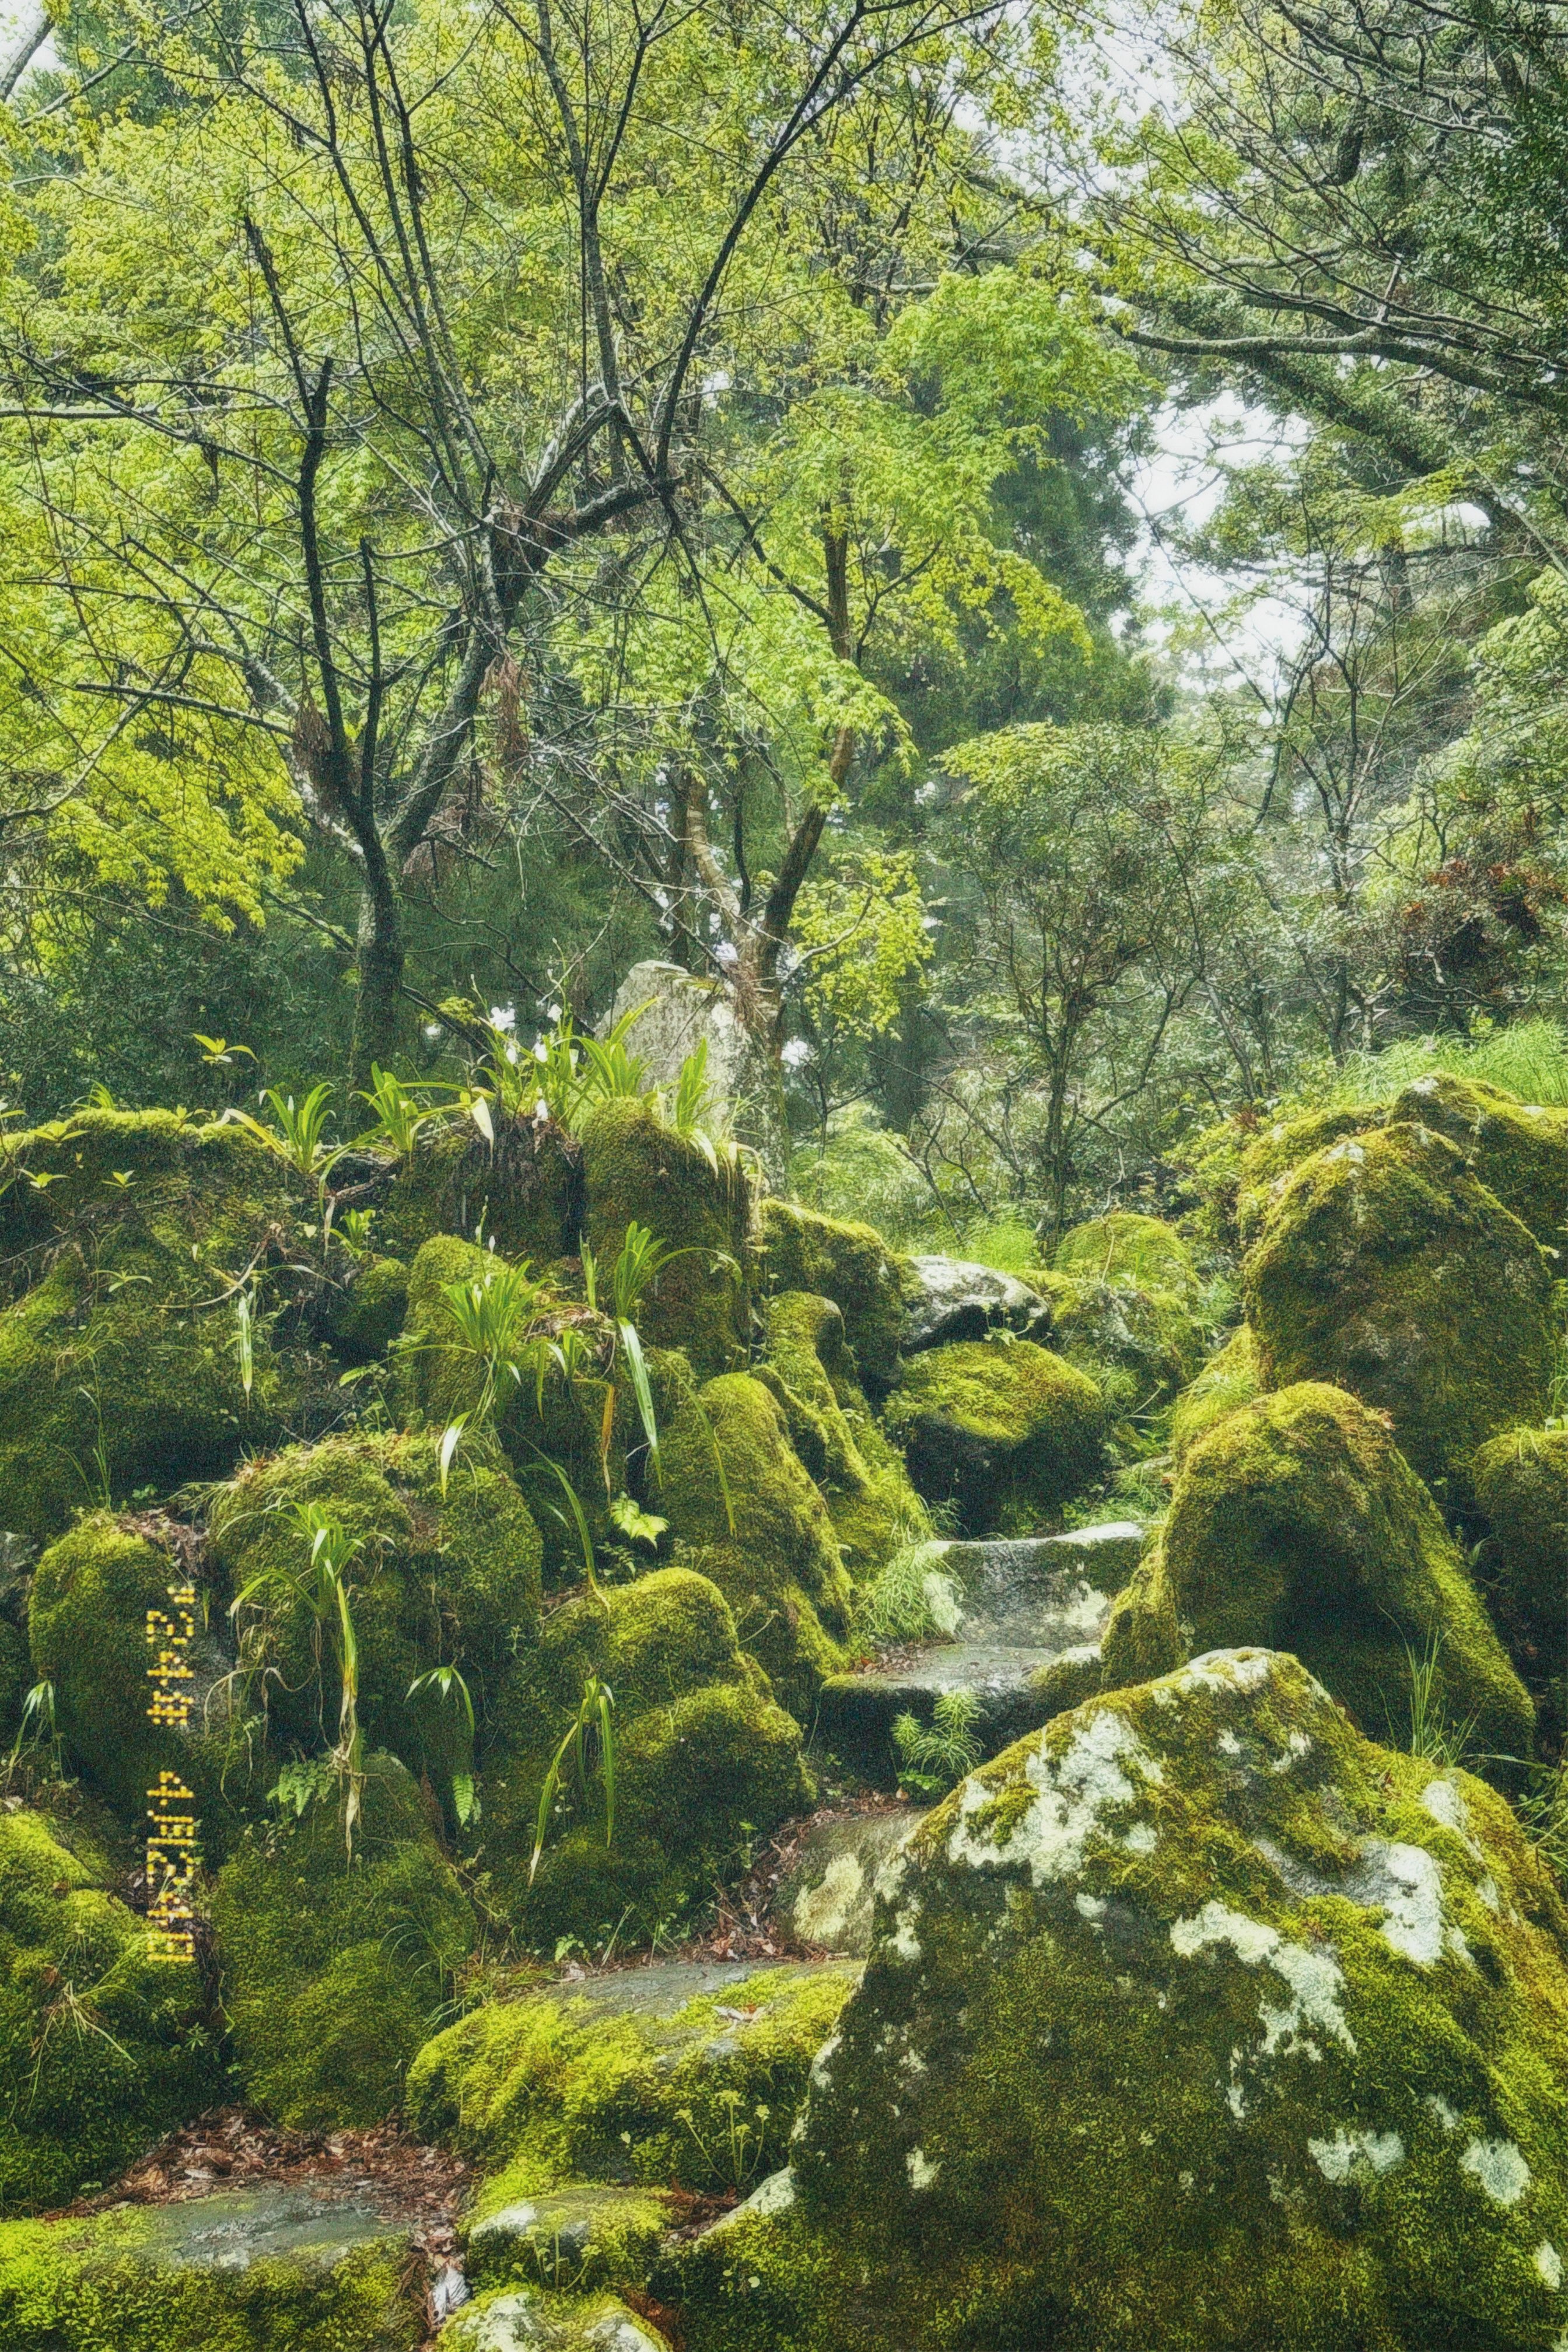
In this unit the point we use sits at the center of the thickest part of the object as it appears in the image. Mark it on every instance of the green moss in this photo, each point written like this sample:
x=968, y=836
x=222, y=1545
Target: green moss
x=1002, y=1428
x=1275, y=1152
x=705, y=1761
x=1143, y=1635
x=508, y=2319
x=851, y=1265
x=1386, y=1268
x=1520, y=1151
x=1125, y=1248
x=1296, y=1524
x=102, y=2048
x=119, y=1368
x=1174, y=2054
x=568, y=2239
x=1520, y=1482
x=1229, y=1378
x=861, y=1475
x=88, y=1613
x=523, y=1192
x=449, y=1580
x=371, y=1316
x=333, y=1969
x=561, y=2089
x=124, y=2282
x=636, y=1166
x=778, y=1564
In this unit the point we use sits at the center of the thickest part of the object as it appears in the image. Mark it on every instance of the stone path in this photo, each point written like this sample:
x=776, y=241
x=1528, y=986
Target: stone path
x=1031, y=1611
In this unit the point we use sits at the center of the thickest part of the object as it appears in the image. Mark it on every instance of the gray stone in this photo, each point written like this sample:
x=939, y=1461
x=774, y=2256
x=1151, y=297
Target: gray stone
x=680, y=1011
x=242, y=2226
x=520, y=2320
x=947, y=1298
x=829, y=1897
x=1024, y=1645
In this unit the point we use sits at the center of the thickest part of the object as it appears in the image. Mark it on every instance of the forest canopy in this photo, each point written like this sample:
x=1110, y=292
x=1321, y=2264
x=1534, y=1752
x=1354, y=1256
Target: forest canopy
x=493, y=495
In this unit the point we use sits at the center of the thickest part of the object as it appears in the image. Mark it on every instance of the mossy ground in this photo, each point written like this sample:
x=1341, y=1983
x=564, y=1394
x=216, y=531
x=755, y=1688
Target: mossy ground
x=1386, y=1268
x=1001, y=1429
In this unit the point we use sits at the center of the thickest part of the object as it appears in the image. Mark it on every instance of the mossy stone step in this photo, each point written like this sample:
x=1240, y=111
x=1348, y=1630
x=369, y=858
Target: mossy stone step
x=1024, y=1644
x=518, y=2319
x=246, y=2269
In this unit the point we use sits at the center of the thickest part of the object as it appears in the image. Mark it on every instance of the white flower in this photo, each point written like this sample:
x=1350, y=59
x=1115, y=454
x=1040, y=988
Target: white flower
x=727, y=954
x=542, y=1108
x=540, y=1050
x=511, y=1049
x=432, y=1030
x=503, y=1016
x=552, y=1013
x=796, y=1054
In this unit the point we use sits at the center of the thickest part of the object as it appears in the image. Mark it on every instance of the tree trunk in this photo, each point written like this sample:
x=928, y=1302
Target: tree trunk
x=379, y=959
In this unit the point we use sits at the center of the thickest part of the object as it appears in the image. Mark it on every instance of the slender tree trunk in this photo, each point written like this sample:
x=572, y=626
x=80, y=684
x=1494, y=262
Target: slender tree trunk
x=379, y=960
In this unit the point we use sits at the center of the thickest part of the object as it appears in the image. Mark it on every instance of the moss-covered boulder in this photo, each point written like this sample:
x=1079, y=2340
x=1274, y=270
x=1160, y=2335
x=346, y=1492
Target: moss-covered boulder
x=1000, y=1428
x=1521, y=1484
x=746, y=1513
x=124, y=1235
x=809, y=1367
x=334, y=1960
x=835, y=1258
x=589, y=2235
x=1387, y=1268
x=523, y=1191
x=374, y=1305
x=103, y=2048
x=1273, y=1154
x=248, y=2270
x=698, y=1202
x=705, y=1761
x=1296, y=1524
x=618, y=2083
x=437, y=1580
x=1126, y=1247
x=1195, y=2020
x=96, y=1596
x=1228, y=1378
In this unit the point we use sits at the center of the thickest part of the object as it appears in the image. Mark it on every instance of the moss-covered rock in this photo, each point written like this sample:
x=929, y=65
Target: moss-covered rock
x=569, y=2240
x=705, y=1759
x=637, y=1167
x=525, y=2319
x=762, y=1531
x=333, y=1966
x=123, y=1234
x=1387, y=1268
x=1001, y=1428
x=559, y=2087
x=850, y=1264
x=371, y=1315
x=1274, y=1152
x=523, y=1192
x=94, y=1595
x=257, y=2269
x=862, y=1473
x=1296, y=1524
x=1194, y=2019
x=103, y=2048
x=1521, y=1484
x=1229, y=1378
x=438, y=1579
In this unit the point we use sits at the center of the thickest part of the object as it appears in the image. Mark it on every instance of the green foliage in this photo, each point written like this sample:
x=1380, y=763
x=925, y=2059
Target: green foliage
x=910, y=1600
x=934, y=1756
x=589, y=1741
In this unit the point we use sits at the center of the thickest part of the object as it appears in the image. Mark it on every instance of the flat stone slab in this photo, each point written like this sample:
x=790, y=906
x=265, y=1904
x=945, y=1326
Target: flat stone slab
x=949, y=1298
x=662, y=1991
x=1026, y=1644
x=334, y=2276
x=829, y=1895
